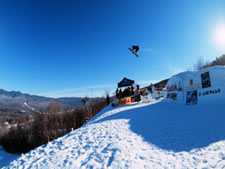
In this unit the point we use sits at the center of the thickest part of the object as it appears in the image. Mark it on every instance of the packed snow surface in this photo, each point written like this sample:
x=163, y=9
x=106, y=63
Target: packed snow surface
x=159, y=134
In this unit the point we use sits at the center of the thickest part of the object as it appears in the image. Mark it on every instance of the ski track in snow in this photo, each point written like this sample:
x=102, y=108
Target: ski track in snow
x=110, y=141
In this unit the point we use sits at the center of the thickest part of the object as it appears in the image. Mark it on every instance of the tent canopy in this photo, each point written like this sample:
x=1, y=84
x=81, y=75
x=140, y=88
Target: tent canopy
x=125, y=82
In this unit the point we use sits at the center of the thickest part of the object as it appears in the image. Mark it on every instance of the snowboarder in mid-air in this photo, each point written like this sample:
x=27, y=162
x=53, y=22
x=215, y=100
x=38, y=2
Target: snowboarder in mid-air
x=134, y=50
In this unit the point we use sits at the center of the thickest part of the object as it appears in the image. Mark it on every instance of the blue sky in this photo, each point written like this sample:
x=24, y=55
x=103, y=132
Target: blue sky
x=80, y=48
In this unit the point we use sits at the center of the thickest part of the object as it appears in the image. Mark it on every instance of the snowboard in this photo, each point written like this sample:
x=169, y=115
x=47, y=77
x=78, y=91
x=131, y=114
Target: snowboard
x=133, y=52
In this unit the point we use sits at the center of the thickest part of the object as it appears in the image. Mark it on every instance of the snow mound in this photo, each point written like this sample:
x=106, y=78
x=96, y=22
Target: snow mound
x=146, y=135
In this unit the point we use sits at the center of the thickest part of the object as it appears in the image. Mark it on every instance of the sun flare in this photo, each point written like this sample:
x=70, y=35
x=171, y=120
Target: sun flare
x=219, y=35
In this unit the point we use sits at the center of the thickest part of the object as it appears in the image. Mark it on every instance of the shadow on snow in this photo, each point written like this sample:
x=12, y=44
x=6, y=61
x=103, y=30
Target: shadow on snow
x=175, y=127
x=6, y=158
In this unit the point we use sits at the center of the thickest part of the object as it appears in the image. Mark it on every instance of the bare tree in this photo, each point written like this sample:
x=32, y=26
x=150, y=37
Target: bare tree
x=54, y=107
x=84, y=100
x=200, y=64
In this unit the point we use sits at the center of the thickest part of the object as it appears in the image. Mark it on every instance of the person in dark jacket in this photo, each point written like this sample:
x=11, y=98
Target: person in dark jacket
x=107, y=99
x=135, y=48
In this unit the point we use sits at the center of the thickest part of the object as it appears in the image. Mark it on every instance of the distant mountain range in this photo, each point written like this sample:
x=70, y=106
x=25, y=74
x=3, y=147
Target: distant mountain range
x=16, y=102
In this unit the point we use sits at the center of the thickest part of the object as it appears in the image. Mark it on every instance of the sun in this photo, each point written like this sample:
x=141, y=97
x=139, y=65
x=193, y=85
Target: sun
x=219, y=35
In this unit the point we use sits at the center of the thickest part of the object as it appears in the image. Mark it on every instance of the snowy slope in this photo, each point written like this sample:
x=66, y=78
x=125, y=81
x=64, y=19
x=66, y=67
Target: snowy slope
x=161, y=134
x=148, y=135
x=29, y=107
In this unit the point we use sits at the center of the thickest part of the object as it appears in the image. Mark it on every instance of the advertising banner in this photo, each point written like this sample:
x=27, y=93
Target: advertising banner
x=205, y=80
x=191, y=97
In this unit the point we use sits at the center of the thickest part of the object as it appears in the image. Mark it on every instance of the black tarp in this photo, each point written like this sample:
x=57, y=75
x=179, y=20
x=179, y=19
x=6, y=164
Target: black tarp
x=125, y=82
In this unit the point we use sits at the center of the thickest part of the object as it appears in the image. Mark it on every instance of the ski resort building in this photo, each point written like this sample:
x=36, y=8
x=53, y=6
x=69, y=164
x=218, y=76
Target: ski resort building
x=206, y=85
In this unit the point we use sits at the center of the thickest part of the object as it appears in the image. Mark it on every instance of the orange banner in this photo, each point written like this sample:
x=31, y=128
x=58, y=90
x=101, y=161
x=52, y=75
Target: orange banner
x=124, y=101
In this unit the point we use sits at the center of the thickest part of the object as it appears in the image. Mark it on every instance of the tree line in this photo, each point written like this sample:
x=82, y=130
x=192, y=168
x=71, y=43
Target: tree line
x=201, y=64
x=30, y=133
